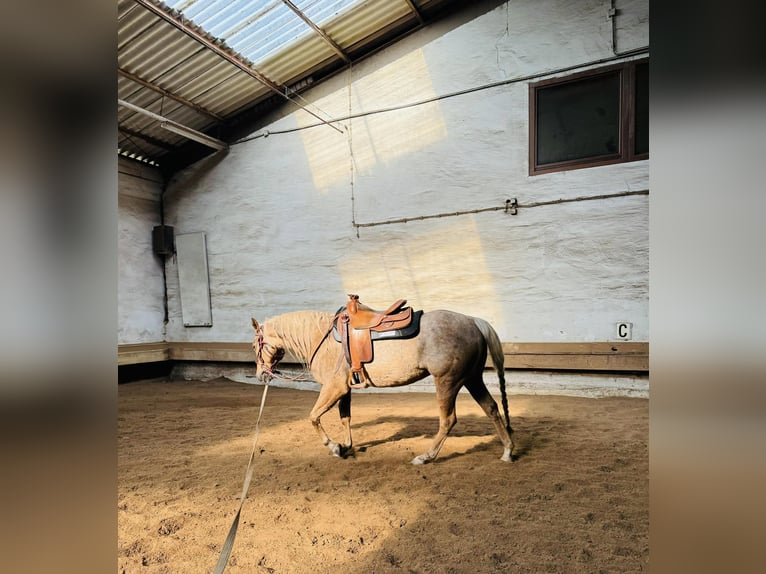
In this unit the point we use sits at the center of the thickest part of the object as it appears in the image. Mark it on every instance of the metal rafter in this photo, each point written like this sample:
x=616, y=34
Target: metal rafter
x=415, y=11
x=318, y=30
x=227, y=54
x=170, y=95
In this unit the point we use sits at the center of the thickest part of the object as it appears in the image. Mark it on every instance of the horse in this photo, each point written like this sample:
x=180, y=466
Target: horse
x=450, y=346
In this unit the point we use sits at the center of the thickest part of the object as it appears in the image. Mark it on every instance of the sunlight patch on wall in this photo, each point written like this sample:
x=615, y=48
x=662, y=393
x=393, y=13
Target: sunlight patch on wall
x=442, y=267
x=378, y=138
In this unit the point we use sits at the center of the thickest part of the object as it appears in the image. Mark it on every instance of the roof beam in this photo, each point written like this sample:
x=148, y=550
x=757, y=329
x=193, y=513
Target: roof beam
x=318, y=30
x=414, y=10
x=226, y=54
x=179, y=99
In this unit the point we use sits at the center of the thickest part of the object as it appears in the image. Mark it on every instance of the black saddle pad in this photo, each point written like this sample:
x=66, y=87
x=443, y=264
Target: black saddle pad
x=408, y=332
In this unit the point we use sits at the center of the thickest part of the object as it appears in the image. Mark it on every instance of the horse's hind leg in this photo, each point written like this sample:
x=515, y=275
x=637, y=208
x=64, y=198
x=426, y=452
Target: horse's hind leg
x=447, y=419
x=481, y=395
x=328, y=396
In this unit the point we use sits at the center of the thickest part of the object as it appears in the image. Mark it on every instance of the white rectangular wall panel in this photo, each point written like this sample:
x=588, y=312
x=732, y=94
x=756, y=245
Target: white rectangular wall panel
x=193, y=280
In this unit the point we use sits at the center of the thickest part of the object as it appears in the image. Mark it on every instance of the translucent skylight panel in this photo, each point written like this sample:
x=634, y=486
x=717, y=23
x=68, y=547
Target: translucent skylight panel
x=228, y=21
x=277, y=29
x=197, y=11
x=322, y=11
x=258, y=29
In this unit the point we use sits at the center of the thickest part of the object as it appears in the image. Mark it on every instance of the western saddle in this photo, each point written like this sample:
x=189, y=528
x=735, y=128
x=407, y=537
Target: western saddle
x=358, y=326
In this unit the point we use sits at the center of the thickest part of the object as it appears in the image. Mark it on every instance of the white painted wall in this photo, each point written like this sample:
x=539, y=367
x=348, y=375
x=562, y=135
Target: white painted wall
x=141, y=310
x=278, y=210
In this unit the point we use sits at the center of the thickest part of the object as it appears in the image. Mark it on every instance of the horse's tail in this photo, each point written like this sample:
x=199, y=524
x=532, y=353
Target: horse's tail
x=495, y=348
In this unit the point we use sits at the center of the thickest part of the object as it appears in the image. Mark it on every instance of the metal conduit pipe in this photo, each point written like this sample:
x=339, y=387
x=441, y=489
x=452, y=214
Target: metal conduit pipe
x=511, y=205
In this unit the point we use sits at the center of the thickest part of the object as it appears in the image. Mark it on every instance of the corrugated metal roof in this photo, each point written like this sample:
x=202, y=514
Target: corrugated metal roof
x=198, y=62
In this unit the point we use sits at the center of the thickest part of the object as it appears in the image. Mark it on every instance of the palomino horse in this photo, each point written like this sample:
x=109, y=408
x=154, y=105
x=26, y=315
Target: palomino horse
x=450, y=346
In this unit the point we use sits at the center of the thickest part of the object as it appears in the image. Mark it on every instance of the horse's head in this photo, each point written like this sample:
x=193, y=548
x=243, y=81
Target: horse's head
x=269, y=350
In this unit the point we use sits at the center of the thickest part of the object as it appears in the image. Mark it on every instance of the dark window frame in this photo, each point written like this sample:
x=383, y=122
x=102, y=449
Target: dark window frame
x=627, y=74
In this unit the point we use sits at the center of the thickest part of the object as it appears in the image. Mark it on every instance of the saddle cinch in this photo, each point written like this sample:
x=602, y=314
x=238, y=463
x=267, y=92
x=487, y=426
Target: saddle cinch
x=357, y=326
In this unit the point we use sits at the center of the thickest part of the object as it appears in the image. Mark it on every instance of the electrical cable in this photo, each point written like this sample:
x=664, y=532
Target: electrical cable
x=266, y=133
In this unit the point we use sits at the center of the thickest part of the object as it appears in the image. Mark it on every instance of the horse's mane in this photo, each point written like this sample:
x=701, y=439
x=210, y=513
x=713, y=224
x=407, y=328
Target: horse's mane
x=300, y=330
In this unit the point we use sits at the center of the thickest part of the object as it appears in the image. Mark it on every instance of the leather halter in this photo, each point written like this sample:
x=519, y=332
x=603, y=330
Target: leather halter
x=278, y=355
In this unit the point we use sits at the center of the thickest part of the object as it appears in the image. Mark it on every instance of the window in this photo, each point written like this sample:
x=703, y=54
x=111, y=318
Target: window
x=592, y=118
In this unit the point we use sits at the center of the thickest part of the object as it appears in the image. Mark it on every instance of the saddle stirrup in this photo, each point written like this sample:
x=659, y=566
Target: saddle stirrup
x=358, y=379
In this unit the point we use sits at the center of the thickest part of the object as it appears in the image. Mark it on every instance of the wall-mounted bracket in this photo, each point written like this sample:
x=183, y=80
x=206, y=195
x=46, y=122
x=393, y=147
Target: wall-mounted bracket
x=511, y=206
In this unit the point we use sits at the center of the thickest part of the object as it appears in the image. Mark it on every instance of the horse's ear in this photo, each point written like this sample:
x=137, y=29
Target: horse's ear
x=255, y=323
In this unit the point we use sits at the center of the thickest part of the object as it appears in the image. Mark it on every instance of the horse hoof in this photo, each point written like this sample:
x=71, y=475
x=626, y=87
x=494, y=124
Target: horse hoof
x=422, y=459
x=335, y=449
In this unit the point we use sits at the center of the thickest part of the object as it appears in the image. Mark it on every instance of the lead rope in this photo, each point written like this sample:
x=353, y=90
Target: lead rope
x=228, y=544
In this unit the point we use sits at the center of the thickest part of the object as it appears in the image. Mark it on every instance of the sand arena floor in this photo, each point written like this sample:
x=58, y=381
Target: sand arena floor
x=575, y=500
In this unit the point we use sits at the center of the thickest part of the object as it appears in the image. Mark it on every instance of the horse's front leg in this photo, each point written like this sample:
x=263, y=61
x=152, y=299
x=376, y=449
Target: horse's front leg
x=328, y=396
x=344, y=409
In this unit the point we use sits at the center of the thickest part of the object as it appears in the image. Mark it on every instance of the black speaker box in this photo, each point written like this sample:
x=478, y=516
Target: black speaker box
x=163, y=240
